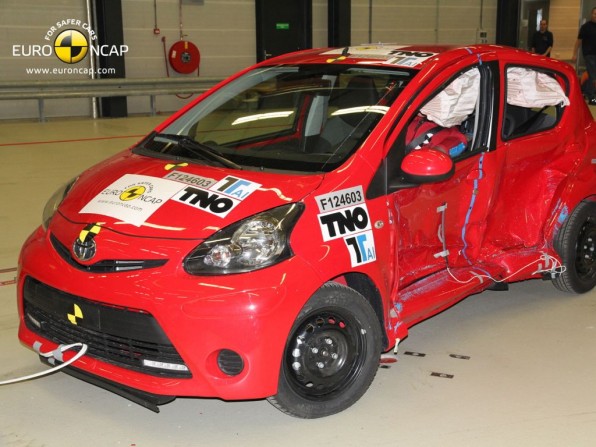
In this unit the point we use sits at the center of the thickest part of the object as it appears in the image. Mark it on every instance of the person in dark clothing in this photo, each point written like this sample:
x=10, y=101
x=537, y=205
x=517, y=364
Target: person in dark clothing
x=586, y=38
x=542, y=41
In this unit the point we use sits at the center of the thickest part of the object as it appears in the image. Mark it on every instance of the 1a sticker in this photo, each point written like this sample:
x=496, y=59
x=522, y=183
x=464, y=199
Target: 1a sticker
x=236, y=187
x=361, y=248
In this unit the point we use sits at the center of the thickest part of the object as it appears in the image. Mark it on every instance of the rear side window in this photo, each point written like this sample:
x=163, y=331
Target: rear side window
x=535, y=101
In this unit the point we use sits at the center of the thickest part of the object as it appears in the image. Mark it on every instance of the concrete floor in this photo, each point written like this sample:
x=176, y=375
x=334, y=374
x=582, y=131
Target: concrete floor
x=529, y=381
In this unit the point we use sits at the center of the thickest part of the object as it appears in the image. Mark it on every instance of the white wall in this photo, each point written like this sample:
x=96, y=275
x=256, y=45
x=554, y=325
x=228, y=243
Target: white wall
x=423, y=21
x=26, y=22
x=564, y=23
x=224, y=31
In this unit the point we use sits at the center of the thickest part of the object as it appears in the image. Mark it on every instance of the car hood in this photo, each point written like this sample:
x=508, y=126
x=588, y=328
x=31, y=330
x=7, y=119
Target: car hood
x=150, y=197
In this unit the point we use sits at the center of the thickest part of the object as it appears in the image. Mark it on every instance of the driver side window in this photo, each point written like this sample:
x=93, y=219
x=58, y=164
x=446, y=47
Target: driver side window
x=447, y=122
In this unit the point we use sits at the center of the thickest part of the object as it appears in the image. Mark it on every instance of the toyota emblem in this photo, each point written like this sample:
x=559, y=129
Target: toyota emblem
x=84, y=249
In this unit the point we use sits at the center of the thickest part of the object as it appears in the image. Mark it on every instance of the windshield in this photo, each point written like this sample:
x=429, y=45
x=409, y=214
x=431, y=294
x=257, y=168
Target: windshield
x=307, y=118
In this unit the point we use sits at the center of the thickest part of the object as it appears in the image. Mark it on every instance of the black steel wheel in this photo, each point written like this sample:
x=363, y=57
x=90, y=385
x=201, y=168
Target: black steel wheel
x=331, y=356
x=576, y=244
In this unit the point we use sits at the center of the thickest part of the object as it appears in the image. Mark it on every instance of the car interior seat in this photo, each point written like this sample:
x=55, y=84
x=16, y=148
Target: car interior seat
x=348, y=111
x=515, y=116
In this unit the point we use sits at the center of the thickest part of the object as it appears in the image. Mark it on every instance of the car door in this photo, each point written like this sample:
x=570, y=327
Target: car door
x=442, y=224
x=539, y=147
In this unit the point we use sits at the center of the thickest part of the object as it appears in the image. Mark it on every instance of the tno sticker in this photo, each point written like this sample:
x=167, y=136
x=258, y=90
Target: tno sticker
x=344, y=222
x=220, y=198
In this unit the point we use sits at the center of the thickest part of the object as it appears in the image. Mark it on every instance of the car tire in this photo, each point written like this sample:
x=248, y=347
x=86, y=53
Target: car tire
x=576, y=244
x=331, y=356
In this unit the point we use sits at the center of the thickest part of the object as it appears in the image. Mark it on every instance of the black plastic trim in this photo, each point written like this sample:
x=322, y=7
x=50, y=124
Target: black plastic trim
x=142, y=398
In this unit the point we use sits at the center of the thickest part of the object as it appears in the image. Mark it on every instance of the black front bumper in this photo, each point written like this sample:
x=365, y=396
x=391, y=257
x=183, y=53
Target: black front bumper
x=147, y=400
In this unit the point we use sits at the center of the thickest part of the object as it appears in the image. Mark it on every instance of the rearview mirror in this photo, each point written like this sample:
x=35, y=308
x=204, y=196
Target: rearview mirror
x=427, y=165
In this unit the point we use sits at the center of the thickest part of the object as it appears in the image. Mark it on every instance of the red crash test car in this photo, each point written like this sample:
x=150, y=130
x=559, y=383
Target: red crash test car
x=277, y=235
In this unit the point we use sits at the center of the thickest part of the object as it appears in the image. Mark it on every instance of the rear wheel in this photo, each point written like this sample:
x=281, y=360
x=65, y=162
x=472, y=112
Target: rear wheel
x=331, y=356
x=576, y=244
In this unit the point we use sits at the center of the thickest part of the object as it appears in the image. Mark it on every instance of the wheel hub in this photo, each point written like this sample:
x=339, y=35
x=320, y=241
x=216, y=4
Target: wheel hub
x=586, y=250
x=327, y=352
x=322, y=355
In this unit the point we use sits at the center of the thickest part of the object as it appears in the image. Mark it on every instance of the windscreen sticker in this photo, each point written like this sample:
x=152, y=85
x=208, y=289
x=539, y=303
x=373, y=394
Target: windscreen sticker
x=132, y=198
x=405, y=58
x=219, y=199
x=390, y=55
x=343, y=214
x=365, y=51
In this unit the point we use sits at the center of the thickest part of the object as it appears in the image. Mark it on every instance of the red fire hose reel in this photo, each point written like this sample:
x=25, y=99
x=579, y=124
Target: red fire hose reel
x=184, y=57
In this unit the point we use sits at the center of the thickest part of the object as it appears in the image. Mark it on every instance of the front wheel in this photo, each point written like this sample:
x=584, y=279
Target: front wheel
x=331, y=356
x=576, y=244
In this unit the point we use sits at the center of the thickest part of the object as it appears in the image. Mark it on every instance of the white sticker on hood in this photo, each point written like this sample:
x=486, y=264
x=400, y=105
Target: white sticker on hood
x=220, y=198
x=132, y=198
x=191, y=179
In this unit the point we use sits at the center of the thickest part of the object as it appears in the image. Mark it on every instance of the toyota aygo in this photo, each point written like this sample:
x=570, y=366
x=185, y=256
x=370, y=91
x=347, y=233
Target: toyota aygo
x=280, y=233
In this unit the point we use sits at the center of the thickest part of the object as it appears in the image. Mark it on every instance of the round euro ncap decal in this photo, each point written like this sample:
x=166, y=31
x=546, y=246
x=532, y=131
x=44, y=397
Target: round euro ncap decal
x=71, y=46
x=132, y=193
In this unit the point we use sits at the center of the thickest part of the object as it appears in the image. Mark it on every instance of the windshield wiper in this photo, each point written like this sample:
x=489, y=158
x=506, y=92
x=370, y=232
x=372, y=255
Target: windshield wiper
x=196, y=148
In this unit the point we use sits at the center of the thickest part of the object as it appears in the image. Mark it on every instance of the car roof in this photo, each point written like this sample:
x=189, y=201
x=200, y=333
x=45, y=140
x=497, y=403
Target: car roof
x=414, y=57
x=406, y=56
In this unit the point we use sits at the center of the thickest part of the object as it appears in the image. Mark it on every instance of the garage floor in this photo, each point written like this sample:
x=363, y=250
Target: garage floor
x=530, y=379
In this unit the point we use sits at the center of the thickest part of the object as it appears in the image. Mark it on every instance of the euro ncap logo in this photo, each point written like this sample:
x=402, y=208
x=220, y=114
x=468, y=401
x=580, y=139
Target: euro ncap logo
x=71, y=46
x=132, y=193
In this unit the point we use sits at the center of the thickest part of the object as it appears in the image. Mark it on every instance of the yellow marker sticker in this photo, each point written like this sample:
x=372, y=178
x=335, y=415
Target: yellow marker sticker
x=77, y=314
x=335, y=59
x=89, y=232
x=171, y=166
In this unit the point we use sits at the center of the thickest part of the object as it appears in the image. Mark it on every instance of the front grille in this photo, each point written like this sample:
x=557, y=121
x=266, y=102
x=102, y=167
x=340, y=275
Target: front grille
x=121, y=336
x=106, y=266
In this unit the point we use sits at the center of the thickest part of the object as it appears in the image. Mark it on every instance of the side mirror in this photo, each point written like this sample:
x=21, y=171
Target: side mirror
x=427, y=165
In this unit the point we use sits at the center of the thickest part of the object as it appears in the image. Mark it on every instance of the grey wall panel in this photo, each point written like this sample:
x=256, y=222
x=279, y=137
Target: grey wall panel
x=224, y=32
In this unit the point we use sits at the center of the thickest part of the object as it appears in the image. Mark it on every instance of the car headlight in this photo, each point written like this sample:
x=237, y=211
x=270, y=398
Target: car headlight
x=55, y=201
x=250, y=244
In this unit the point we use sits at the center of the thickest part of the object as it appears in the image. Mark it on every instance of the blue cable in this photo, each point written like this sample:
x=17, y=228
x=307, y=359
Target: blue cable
x=471, y=207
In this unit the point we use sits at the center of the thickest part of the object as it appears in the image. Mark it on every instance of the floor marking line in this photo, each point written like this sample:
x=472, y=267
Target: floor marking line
x=29, y=143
